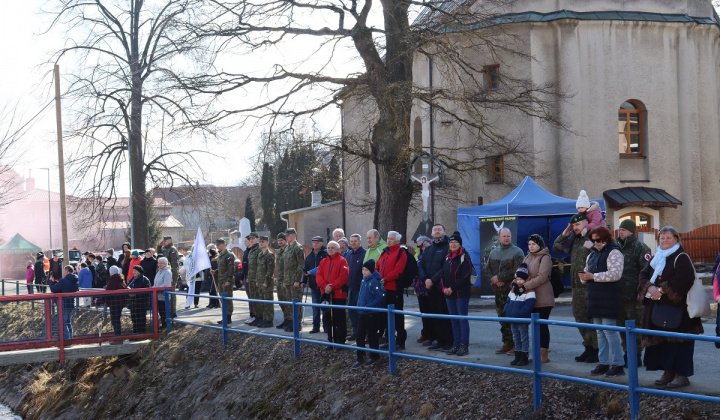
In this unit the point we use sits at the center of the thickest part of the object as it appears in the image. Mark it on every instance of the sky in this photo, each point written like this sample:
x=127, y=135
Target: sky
x=26, y=83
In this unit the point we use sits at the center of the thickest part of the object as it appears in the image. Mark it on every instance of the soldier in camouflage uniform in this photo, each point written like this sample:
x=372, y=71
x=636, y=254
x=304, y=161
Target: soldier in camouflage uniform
x=283, y=292
x=169, y=251
x=636, y=255
x=264, y=283
x=294, y=258
x=500, y=268
x=225, y=276
x=251, y=273
x=579, y=251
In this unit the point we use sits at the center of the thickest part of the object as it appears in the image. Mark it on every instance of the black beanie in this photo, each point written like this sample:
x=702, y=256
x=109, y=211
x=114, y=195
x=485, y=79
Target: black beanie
x=139, y=269
x=522, y=272
x=456, y=237
x=537, y=239
x=370, y=265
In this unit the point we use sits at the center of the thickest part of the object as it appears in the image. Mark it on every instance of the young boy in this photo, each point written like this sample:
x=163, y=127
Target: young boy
x=520, y=304
x=371, y=295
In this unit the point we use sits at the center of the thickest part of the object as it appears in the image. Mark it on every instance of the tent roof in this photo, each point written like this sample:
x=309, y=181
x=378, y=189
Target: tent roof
x=528, y=199
x=18, y=245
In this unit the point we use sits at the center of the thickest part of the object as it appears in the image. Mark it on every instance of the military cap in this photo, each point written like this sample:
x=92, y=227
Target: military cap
x=577, y=218
x=253, y=235
x=167, y=238
x=289, y=231
x=219, y=241
x=264, y=238
x=318, y=238
x=280, y=235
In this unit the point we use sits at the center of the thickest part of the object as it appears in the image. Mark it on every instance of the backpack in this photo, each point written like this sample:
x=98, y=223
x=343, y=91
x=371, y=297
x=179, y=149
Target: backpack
x=556, y=279
x=409, y=272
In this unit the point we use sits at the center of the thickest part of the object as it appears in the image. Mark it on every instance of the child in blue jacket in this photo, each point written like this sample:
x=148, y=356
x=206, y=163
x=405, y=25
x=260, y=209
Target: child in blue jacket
x=520, y=304
x=371, y=295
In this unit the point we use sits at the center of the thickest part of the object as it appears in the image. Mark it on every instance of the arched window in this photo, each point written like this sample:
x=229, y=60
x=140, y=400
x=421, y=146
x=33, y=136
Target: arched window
x=643, y=221
x=631, y=129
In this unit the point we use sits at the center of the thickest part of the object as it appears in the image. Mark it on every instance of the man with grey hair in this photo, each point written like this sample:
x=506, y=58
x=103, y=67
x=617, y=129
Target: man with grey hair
x=500, y=269
x=354, y=257
x=338, y=234
x=163, y=278
x=390, y=265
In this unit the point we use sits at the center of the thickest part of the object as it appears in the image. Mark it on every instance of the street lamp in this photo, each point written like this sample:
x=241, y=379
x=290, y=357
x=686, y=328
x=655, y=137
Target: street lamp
x=49, y=212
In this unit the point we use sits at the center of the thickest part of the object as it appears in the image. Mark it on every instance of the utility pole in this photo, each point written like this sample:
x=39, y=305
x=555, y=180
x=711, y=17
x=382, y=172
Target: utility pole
x=61, y=168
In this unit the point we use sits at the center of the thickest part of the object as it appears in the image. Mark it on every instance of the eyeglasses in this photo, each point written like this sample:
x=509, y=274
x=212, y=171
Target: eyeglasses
x=597, y=241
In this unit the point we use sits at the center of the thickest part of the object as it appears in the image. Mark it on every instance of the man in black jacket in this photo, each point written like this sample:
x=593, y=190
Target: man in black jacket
x=40, y=272
x=430, y=270
x=149, y=265
x=312, y=261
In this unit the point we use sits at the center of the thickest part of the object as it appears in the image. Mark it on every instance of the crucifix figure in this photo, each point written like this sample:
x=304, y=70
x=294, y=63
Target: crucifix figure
x=425, y=183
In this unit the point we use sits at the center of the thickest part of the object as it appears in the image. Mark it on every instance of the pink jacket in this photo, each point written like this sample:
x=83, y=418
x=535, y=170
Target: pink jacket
x=716, y=289
x=594, y=216
x=30, y=274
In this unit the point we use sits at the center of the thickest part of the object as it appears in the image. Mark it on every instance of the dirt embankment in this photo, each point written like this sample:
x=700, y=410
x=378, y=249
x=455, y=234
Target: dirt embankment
x=189, y=374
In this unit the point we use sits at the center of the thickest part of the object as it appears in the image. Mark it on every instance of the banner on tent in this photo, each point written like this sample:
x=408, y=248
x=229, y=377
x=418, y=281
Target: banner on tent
x=489, y=233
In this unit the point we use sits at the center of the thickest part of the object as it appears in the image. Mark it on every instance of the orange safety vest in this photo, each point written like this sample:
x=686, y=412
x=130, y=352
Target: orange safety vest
x=46, y=263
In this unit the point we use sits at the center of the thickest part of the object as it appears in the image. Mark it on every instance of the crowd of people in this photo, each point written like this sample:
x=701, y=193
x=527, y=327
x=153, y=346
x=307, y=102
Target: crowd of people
x=612, y=279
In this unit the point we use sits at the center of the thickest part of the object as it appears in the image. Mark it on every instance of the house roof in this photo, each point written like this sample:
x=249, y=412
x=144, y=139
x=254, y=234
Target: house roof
x=640, y=196
x=201, y=194
x=311, y=208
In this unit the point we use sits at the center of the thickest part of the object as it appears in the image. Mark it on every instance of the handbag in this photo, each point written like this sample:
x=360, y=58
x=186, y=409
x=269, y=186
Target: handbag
x=666, y=316
x=698, y=305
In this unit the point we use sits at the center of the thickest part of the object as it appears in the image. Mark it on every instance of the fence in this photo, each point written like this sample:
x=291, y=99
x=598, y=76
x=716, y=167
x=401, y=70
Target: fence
x=42, y=320
x=702, y=244
x=633, y=389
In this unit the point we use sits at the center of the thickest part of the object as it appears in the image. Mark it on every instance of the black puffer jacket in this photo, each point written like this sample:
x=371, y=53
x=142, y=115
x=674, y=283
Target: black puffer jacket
x=456, y=274
x=431, y=264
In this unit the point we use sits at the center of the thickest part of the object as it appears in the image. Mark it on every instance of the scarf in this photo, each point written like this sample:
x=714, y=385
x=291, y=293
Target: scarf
x=658, y=262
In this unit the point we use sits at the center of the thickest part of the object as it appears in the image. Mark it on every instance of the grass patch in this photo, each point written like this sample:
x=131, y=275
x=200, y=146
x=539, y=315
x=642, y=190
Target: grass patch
x=334, y=368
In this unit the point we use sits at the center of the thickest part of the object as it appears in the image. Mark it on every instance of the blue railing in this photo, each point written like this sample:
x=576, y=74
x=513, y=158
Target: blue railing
x=633, y=388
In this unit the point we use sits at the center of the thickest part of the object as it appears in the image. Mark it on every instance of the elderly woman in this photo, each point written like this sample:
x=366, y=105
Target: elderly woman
x=663, y=287
x=539, y=264
x=116, y=302
x=602, y=273
x=163, y=278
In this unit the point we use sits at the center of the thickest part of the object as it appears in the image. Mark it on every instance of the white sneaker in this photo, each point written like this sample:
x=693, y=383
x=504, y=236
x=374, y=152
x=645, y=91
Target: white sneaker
x=250, y=320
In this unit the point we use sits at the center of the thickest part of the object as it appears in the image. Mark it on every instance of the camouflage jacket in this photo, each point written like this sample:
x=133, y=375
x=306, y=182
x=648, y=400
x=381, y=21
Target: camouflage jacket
x=503, y=262
x=171, y=253
x=253, y=252
x=293, y=264
x=226, y=267
x=265, y=267
x=578, y=256
x=280, y=264
x=637, y=255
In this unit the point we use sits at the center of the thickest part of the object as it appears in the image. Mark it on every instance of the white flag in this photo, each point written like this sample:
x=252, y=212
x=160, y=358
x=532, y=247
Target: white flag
x=199, y=259
x=244, y=229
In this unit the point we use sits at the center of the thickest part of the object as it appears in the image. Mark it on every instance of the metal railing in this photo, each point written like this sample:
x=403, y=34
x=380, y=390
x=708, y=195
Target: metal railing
x=37, y=320
x=632, y=388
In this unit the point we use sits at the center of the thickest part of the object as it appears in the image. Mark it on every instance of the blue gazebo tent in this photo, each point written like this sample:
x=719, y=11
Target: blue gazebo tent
x=537, y=211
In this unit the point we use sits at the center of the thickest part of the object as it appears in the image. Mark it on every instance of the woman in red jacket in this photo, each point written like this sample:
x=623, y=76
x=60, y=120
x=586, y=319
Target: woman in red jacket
x=332, y=277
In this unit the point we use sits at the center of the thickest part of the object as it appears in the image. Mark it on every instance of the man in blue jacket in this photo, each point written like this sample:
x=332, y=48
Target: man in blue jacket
x=68, y=284
x=354, y=256
x=312, y=261
x=430, y=269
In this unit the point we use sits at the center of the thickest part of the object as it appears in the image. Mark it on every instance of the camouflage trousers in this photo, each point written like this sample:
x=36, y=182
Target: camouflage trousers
x=579, y=310
x=253, y=294
x=283, y=295
x=631, y=310
x=265, y=310
x=501, y=295
x=220, y=287
x=296, y=294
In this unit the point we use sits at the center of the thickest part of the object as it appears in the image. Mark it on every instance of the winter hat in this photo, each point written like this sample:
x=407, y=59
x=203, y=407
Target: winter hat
x=345, y=241
x=537, y=239
x=114, y=270
x=422, y=239
x=577, y=218
x=628, y=224
x=583, y=200
x=456, y=237
x=139, y=269
x=370, y=265
x=522, y=272
x=135, y=253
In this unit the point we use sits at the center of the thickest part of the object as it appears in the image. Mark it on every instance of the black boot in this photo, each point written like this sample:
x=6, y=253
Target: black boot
x=593, y=357
x=523, y=359
x=516, y=360
x=583, y=357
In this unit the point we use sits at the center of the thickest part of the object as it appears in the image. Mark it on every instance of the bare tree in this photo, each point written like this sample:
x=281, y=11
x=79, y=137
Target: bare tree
x=453, y=33
x=126, y=94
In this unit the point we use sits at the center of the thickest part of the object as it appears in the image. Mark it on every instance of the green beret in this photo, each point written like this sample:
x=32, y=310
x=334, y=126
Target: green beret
x=577, y=218
x=288, y=231
x=264, y=238
x=280, y=235
x=167, y=238
x=253, y=235
x=219, y=241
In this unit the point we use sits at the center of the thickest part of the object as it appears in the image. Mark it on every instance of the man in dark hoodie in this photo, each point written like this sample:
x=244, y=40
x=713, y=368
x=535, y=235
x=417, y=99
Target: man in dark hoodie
x=68, y=284
x=438, y=336
x=312, y=261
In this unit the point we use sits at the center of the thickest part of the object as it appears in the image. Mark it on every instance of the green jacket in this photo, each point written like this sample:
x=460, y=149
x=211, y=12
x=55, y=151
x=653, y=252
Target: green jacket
x=503, y=261
x=578, y=256
x=293, y=265
x=226, y=267
x=637, y=255
x=171, y=253
x=252, y=262
x=265, y=267
x=373, y=252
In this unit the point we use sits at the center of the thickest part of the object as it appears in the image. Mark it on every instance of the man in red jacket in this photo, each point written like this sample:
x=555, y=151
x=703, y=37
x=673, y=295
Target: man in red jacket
x=332, y=277
x=390, y=265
